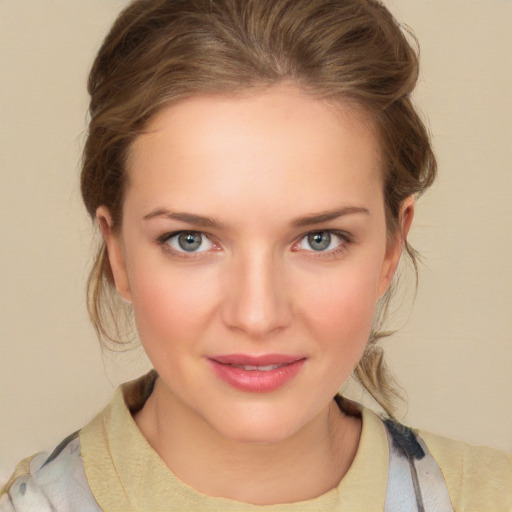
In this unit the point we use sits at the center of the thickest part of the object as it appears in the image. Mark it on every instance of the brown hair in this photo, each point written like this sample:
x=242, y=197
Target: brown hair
x=161, y=51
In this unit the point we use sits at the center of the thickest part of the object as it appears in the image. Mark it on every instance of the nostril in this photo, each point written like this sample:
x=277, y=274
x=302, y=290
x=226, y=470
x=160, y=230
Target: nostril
x=256, y=318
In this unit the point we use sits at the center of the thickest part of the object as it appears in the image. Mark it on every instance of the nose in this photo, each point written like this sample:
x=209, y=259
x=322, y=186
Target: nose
x=257, y=300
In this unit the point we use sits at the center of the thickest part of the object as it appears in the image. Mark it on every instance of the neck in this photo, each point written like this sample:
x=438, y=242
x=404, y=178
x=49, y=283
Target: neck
x=309, y=463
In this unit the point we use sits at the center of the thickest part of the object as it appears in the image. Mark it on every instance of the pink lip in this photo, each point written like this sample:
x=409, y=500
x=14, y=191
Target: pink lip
x=256, y=381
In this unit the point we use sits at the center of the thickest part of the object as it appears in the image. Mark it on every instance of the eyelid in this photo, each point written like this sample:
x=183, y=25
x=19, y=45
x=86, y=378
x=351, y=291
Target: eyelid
x=336, y=232
x=164, y=239
x=347, y=239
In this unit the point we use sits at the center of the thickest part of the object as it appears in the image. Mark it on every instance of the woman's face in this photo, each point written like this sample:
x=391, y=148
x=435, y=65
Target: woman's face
x=254, y=250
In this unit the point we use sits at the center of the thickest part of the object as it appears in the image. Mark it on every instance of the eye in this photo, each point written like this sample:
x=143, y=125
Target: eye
x=188, y=241
x=323, y=241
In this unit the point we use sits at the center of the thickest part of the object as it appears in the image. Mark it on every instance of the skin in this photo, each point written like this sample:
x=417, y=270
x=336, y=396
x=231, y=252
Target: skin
x=256, y=286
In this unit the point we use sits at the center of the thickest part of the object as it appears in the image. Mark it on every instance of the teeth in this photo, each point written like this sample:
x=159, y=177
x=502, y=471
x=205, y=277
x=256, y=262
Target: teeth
x=266, y=368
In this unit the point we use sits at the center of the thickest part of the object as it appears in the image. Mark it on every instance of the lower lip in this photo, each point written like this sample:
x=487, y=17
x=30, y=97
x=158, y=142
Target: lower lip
x=256, y=381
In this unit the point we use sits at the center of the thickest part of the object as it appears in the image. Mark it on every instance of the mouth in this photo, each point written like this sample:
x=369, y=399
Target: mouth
x=257, y=374
x=252, y=368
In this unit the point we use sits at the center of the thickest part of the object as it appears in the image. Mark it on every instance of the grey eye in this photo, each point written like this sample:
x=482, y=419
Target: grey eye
x=320, y=240
x=190, y=241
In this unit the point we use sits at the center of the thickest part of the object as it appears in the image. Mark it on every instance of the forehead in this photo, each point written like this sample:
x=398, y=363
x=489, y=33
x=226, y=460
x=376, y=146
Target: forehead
x=279, y=144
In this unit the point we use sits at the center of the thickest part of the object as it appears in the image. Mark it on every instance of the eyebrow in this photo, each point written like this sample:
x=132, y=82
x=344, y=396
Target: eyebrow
x=300, y=222
x=318, y=218
x=189, y=218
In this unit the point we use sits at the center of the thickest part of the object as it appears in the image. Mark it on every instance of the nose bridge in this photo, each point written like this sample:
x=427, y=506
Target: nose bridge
x=257, y=300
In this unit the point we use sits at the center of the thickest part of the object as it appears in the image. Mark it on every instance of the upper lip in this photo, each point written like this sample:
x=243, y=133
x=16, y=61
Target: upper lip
x=260, y=360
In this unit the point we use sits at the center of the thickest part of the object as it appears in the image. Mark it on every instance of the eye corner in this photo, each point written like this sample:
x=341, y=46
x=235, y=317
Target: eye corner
x=171, y=244
x=303, y=244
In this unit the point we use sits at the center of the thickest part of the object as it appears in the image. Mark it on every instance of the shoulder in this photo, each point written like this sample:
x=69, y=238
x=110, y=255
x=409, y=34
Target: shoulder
x=478, y=477
x=54, y=482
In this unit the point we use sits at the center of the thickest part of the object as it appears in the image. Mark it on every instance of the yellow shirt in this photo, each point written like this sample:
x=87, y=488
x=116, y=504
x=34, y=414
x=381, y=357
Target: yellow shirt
x=125, y=474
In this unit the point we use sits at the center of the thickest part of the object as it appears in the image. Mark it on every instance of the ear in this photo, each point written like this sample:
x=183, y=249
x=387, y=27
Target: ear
x=396, y=244
x=115, y=252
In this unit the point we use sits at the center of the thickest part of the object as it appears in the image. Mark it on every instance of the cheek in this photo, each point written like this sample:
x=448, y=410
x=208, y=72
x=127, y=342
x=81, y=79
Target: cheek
x=339, y=314
x=342, y=307
x=170, y=305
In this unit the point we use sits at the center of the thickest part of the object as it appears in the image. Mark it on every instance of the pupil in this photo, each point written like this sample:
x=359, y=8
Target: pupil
x=189, y=241
x=319, y=241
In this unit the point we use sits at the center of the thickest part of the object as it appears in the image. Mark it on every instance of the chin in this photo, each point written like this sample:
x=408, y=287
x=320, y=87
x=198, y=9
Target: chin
x=258, y=426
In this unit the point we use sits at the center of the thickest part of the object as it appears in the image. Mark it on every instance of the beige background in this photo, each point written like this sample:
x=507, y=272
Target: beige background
x=454, y=354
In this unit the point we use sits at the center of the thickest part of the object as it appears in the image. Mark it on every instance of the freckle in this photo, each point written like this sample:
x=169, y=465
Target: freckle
x=23, y=488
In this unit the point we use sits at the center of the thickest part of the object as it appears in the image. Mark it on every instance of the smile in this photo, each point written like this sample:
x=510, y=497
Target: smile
x=260, y=374
x=252, y=368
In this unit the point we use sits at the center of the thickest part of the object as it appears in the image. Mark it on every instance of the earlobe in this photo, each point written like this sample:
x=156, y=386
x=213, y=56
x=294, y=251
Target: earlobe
x=115, y=252
x=395, y=246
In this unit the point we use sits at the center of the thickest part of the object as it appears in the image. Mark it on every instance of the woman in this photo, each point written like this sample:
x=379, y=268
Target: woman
x=253, y=168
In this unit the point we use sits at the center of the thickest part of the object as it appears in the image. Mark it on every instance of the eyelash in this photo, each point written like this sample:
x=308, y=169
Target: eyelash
x=347, y=240
x=164, y=239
